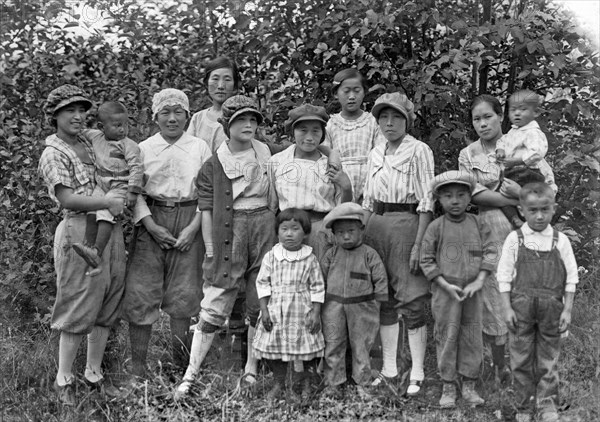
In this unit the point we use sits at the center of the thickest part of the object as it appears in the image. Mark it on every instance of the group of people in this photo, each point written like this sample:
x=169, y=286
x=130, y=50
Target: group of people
x=326, y=242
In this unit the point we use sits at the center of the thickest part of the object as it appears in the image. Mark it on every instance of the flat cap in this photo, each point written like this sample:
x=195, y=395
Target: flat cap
x=345, y=211
x=306, y=112
x=453, y=177
x=398, y=101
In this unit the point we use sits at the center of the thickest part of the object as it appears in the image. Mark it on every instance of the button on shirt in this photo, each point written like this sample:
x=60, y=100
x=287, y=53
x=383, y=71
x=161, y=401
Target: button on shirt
x=538, y=241
x=170, y=170
x=402, y=178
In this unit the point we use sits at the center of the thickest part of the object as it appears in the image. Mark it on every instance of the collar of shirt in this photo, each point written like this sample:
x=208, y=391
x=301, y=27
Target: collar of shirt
x=280, y=253
x=158, y=144
x=531, y=125
x=231, y=162
x=379, y=151
x=528, y=231
x=80, y=173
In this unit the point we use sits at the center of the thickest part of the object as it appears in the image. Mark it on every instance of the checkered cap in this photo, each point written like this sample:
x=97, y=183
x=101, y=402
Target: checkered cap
x=234, y=106
x=63, y=96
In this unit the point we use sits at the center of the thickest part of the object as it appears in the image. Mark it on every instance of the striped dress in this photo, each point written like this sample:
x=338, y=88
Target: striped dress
x=354, y=139
x=292, y=280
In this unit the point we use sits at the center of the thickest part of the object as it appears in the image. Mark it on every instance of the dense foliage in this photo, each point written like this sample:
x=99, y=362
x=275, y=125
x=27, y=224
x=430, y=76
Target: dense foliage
x=440, y=53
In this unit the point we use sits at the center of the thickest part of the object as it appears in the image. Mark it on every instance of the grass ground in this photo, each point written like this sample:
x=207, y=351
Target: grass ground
x=28, y=353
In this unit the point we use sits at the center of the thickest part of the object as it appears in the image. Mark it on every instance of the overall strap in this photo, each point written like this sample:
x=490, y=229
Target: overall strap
x=521, y=237
x=554, y=238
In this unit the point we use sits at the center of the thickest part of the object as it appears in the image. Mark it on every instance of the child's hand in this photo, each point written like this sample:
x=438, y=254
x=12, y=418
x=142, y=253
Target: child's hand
x=472, y=288
x=500, y=155
x=511, y=319
x=455, y=292
x=131, y=200
x=266, y=319
x=565, y=320
x=334, y=160
x=415, y=258
x=313, y=322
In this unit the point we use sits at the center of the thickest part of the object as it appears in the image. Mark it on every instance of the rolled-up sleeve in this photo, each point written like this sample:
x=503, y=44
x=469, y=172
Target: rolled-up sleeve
x=424, y=177
x=506, y=271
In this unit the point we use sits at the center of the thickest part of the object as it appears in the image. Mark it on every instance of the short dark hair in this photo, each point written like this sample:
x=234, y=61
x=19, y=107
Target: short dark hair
x=295, y=214
x=489, y=99
x=539, y=189
x=349, y=73
x=110, y=107
x=222, y=62
x=348, y=220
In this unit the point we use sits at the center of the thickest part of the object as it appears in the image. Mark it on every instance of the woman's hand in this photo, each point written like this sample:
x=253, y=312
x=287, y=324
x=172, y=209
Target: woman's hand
x=313, y=322
x=160, y=234
x=186, y=238
x=510, y=188
x=415, y=257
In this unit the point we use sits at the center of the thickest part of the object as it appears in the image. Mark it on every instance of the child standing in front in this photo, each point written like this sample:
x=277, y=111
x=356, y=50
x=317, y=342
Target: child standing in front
x=523, y=148
x=356, y=285
x=353, y=132
x=456, y=256
x=537, y=276
x=119, y=173
x=291, y=290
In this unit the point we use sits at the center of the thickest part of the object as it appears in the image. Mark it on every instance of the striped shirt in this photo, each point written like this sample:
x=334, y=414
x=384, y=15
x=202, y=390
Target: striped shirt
x=402, y=178
x=60, y=165
x=354, y=139
x=170, y=170
x=301, y=183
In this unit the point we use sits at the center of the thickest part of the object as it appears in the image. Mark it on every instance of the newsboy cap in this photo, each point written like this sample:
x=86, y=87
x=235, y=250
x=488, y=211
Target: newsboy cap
x=453, y=177
x=345, y=211
x=398, y=102
x=306, y=112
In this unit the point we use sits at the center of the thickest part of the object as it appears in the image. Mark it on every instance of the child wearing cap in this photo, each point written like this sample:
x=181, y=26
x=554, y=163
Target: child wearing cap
x=456, y=256
x=523, y=148
x=119, y=173
x=164, y=268
x=291, y=291
x=398, y=192
x=537, y=277
x=356, y=283
x=237, y=204
x=82, y=307
x=353, y=132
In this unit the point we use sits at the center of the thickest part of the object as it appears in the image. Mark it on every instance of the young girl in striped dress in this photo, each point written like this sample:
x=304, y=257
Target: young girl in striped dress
x=291, y=289
x=353, y=132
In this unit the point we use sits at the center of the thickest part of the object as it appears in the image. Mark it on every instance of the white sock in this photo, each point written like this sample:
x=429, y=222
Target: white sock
x=200, y=346
x=417, y=342
x=389, y=347
x=252, y=361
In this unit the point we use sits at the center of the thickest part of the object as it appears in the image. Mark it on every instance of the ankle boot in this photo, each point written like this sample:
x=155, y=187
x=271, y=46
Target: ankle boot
x=469, y=395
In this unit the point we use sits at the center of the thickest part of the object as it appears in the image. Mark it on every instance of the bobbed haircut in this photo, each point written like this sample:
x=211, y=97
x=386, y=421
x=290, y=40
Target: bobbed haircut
x=350, y=73
x=294, y=214
x=539, y=189
x=110, y=107
x=222, y=62
x=488, y=99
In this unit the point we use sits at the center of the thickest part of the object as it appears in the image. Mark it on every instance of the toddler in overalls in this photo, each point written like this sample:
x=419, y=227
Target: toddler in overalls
x=456, y=256
x=537, y=276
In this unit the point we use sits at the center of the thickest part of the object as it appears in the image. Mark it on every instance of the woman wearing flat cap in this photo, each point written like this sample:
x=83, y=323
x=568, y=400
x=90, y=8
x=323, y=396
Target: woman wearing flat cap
x=302, y=178
x=84, y=304
x=398, y=192
x=165, y=268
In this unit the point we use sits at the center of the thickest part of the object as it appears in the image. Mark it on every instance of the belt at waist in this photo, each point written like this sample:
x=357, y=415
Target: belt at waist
x=383, y=207
x=250, y=211
x=170, y=204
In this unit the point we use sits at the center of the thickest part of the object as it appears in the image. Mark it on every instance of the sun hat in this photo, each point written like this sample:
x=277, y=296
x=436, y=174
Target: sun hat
x=63, y=96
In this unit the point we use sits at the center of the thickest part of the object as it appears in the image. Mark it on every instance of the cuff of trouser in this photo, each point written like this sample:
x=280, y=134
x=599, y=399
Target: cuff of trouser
x=216, y=320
